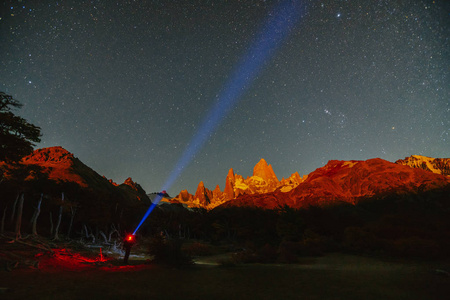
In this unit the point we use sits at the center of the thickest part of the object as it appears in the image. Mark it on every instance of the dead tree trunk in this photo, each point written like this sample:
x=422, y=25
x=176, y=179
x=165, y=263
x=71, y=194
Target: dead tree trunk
x=104, y=236
x=113, y=230
x=51, y=224
x=2, y=229
x=56, y=237
x=19, y=217
x=86, y=233
x=89, y=235
x=14, y=209
x=73, y=211
x=36, y=214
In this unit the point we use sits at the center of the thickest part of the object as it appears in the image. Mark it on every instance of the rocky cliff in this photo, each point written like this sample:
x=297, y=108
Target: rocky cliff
x=349, y=182
x=338, y=181
x=435, y=165
x=262, y=181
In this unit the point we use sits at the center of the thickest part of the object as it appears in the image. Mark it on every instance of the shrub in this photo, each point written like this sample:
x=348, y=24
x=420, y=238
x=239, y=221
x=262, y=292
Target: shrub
x=227, y=263
x=198, y=249
x=267, y=254
x=245, y=256
x=414, y=247
x=314, y=244
x=359, y=240
x=288, y=252
x=168, y=252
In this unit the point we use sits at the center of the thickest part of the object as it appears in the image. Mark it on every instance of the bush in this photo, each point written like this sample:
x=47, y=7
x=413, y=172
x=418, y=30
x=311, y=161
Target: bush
x=414, y=247
x=227, y=263
x=359, y=240
x=267, y=254
x=314, y=244
x=198, y=249
x=245, y=256
x=168, y=252
x=288, y=252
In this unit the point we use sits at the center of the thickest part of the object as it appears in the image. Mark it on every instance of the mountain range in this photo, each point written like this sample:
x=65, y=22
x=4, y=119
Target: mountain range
x=336, y=182
x=61, y=168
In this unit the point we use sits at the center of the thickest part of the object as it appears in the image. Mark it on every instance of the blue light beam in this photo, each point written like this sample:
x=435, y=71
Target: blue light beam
x=278, y=25
x=149, y=211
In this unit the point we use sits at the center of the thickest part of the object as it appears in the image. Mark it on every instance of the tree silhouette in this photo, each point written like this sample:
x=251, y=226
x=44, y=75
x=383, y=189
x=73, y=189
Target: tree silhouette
x=17, y=136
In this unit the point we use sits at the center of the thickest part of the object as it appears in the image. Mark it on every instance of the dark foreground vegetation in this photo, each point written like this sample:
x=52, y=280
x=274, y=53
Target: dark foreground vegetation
x=63, y=275
x=402, y=226
x=405, y=226
x=392, y=247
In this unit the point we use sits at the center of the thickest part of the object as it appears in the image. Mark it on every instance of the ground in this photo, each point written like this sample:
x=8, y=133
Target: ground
x=67, y=274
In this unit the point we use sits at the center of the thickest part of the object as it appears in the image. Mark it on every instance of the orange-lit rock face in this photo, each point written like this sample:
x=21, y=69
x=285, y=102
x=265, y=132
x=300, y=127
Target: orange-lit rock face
x=131, y=183
x=349, y=181
x=229, y=185
x=57, y=163
x=263, y=181
x=264, y=171
x=203, y=195
x=435, y=165
x=111, y=181
x=60, y=166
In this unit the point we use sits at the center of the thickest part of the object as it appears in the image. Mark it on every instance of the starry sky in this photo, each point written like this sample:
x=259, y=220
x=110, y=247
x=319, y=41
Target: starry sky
x=125, y=85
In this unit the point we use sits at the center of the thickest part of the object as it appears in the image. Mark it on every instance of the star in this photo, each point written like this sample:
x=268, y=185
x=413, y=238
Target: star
x=137, y=79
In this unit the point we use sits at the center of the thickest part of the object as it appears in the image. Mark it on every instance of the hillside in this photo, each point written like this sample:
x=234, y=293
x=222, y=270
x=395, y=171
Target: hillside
x=338, y=181
x=349, y=182
x=61, y=167
x=54, y=178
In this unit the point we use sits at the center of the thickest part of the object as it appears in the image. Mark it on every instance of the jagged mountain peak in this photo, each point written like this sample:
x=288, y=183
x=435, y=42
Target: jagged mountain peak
x=129, y=182
x=263, y=180
x=349, y=182
x=231, y=174
x=264, y=170
x=339, y=180
x=201, y=185
x=203, y=195
x=435, y=165
x=217, y=189
x=111, y=181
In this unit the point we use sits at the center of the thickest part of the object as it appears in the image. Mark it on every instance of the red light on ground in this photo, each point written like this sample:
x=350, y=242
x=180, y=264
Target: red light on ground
x=130, y=238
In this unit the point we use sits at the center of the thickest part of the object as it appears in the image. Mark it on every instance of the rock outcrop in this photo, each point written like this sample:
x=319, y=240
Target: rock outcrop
x=263, y=181
x=349, y=182
x=435, y=165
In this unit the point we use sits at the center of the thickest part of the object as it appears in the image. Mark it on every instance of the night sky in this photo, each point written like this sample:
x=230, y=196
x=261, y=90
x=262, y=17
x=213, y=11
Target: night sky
x=125, y=85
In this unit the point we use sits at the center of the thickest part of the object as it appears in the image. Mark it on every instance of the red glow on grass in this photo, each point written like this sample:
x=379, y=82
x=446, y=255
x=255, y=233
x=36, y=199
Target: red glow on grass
x=65, y=259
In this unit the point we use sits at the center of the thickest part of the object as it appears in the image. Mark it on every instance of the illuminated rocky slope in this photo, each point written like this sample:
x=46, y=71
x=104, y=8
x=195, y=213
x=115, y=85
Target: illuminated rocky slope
x=61, y=168
x=336, y=182
x=349, y=182
x=435, y=165
x=263, y=181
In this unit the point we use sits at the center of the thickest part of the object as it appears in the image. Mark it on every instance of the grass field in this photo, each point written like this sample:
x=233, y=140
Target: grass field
x=334, y=276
